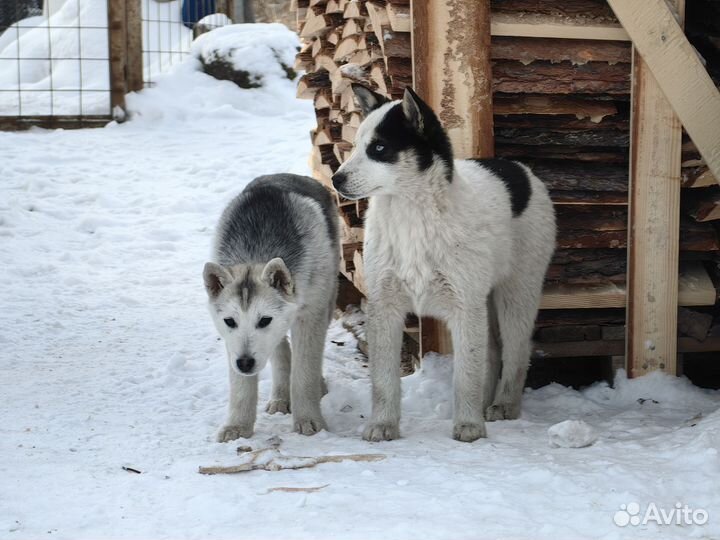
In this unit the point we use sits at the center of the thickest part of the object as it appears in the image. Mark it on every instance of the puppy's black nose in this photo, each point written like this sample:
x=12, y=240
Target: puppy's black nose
x=339, y=180
x=245, y=364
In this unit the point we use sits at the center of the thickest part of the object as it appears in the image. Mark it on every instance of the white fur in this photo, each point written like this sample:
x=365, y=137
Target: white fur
x=449, y=250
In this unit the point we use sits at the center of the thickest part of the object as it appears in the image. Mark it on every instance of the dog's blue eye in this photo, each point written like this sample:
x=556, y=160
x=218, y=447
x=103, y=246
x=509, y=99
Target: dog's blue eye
x=379, y=148
x=264, y=321
x=230, y=322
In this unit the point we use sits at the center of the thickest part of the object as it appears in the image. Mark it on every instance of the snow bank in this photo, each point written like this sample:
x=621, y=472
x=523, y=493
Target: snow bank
x=186, y=92
x=264, y=53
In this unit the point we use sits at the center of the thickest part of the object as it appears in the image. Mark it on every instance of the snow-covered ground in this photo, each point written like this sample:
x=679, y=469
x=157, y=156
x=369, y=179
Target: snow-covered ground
x=109, y=359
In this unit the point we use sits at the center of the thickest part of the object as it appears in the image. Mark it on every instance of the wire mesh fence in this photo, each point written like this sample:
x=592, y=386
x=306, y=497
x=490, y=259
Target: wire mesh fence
x=54, y=58
x=70, y=62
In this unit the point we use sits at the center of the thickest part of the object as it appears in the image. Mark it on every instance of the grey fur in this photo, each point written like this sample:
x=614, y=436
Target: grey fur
x=277, y=256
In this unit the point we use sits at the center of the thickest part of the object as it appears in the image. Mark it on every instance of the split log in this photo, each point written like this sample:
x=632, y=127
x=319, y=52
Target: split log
x=311, y=82
x=399, y=17
x=320, y=24
x=543, y=77
x=354, y=10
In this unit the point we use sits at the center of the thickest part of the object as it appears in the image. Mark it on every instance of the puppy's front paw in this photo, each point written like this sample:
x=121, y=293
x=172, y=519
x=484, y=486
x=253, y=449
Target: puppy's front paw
x=502, y=411
x=469, y=432
x=381, y=431
x=308, y=425
x=230, y=433
x=281, y=406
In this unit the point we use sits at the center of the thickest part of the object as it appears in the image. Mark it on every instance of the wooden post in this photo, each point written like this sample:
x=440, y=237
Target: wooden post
x=452, y=73
x=134, y=70
x=654, y=224
x=117, y=44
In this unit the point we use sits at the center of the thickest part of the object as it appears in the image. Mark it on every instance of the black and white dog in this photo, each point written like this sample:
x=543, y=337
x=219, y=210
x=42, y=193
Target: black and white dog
x=464, y=241
x=275, y=268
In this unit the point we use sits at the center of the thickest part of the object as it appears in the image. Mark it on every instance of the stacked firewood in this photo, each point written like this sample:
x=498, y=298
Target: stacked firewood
x=560, y=105
x=345, y=42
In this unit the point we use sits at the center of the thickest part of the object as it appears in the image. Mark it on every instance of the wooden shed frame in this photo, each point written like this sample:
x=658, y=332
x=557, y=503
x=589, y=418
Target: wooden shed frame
x=671, y=89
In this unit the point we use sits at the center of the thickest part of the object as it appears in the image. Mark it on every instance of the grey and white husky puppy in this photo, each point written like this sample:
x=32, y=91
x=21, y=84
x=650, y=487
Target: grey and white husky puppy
x=276, y=261
x=464, y=241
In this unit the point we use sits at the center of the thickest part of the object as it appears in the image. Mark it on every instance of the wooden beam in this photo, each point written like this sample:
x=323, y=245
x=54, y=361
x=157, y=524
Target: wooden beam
x=654, y=222
x=453, y=74
x=677, y=69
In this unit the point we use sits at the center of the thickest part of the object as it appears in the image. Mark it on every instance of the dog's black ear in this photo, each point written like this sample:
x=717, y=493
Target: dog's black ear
x=216, y=278
x=277, y=275
x=414, y=110
x=367, y=99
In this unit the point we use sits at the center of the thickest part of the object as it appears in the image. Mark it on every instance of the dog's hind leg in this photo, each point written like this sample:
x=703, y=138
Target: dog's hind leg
x=280, y=396
x=470, y=335
x=517, y=302
x=306, y=380
x=242, y=409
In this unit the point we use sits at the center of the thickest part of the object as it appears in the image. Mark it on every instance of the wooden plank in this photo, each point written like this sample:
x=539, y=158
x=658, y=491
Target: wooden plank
x=508, y=25
x=453, y=74
x=581, y=51
x=677, y=70
x=694, y=289
x=654, y=220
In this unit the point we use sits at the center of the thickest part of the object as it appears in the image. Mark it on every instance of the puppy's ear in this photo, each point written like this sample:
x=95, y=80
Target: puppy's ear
x=367, y=99
x=216, y=278
x=414, y=110
x=277, y=275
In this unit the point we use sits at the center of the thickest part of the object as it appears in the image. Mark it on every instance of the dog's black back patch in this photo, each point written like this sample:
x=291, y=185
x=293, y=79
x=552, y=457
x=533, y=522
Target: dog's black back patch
x=395, y=133
x=515, y=179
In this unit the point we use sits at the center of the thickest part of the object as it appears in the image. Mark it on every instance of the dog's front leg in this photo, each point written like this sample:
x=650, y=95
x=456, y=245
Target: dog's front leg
x=242, y=409
x=306, y=380
x=469, y=327
x=386, y=320
x=280, y=396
